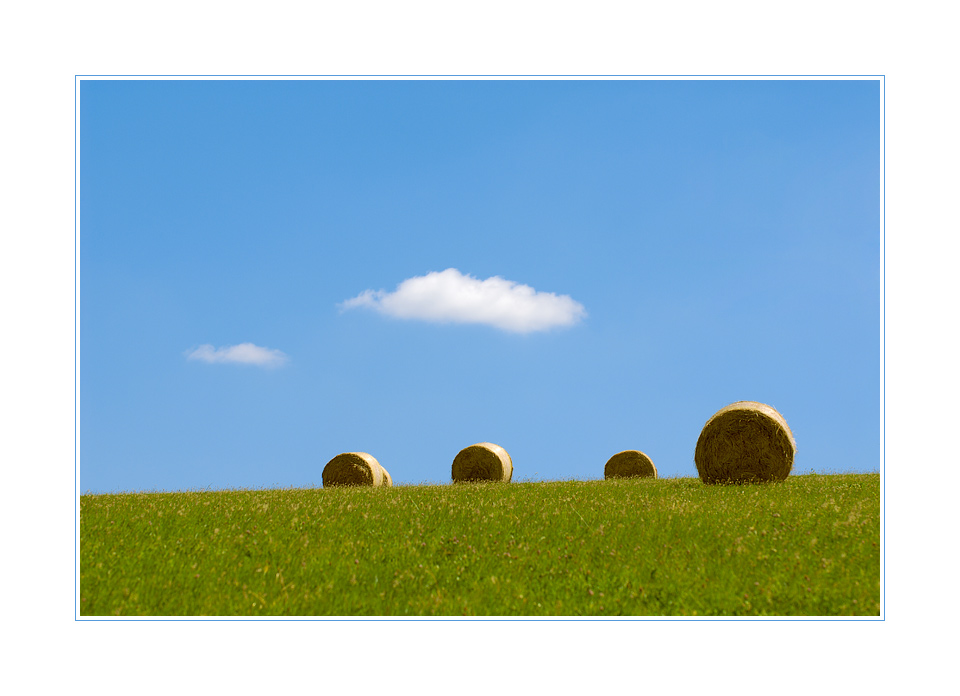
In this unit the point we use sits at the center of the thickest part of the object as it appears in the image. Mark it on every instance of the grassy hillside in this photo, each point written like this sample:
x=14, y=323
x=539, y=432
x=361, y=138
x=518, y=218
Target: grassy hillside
x=807, y=546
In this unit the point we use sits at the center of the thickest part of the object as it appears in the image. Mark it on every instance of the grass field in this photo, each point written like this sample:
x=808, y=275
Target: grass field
x=809, y=546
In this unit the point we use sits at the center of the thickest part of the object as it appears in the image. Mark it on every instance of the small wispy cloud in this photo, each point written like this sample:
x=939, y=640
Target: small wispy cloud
x=451, y=296
x=244, y=353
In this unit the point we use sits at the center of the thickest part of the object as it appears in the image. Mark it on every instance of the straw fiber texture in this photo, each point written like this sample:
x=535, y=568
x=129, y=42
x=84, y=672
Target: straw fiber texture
x=745, y=442
x=355, y=469
x=484, y=461
x=629, y=464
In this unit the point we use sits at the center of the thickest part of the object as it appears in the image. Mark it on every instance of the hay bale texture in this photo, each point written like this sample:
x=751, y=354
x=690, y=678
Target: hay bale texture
x=745, y=442
x=483, y=461
x=355, y=469
x=629, y=464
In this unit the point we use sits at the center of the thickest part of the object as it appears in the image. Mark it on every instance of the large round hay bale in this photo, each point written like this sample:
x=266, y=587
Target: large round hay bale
x=745, y=442
x=483, y=461
x=629, y=464
x=353, y=469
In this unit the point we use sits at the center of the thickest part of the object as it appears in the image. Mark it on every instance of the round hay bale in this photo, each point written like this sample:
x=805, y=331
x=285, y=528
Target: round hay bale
x=353, y=469
x=483, y=461
x=745, y=442
x=629, y=464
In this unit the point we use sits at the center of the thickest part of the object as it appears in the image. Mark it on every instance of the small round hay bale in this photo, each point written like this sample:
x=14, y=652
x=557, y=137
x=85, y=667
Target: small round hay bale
x=745, y=442
x=353, y=469
x=629, y=464
x=483, y=461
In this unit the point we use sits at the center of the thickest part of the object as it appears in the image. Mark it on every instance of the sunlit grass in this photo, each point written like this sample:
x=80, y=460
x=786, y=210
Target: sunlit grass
x=808, y=546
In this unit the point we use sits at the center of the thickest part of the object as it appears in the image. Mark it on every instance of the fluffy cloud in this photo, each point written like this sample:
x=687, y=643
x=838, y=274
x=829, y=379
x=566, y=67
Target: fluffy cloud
x=245, y=353
x=450, y=296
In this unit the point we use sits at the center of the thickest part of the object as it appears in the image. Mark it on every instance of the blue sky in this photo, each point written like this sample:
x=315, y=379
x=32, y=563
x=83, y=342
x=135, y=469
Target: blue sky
x=266, y=274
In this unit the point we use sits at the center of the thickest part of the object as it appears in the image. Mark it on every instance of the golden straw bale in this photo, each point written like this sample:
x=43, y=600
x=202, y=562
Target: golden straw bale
x=354, y=469
x=387, y=480
x=745, y=442
x=484, y=461
x=629, y=464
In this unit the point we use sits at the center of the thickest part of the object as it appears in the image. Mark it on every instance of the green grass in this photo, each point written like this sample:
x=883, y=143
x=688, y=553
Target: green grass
x=808, y=546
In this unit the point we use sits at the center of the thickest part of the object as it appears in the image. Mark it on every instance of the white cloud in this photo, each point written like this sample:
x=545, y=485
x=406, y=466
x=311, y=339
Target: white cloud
x=245, y=353
x=450, y=296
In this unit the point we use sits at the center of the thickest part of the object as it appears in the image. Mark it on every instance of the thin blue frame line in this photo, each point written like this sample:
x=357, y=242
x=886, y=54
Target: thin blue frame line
x=474, y=75
x=882, y=78
x=76, y=580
